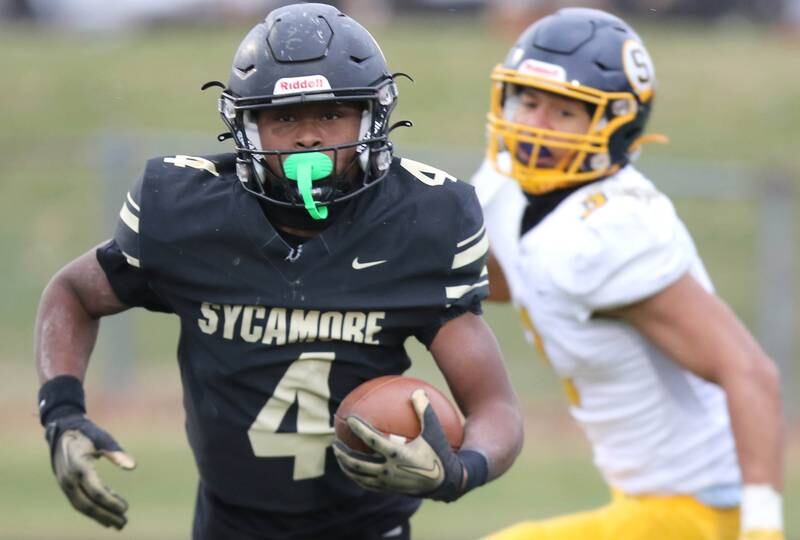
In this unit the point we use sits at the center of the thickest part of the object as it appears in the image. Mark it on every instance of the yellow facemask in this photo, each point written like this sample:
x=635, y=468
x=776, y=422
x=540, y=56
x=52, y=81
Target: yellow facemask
x=589, y=156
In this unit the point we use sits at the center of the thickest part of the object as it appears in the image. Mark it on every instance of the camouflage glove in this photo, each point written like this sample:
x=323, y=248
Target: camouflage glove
x=761, y=513
x=75, y=443
x=424, y=467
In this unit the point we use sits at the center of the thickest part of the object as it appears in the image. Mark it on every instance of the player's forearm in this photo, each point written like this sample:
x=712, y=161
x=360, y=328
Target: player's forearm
x=756, y=415
x=495, y=430
x=469, y=357
x=65, y=333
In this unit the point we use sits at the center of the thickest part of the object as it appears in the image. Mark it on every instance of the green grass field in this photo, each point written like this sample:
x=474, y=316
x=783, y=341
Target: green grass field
x=726, y=95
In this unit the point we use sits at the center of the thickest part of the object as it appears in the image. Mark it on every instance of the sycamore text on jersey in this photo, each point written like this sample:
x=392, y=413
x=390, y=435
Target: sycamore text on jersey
x=279, y=326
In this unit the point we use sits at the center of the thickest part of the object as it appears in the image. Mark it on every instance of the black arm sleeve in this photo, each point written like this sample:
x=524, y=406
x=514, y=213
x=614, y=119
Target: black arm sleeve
x=465, y=277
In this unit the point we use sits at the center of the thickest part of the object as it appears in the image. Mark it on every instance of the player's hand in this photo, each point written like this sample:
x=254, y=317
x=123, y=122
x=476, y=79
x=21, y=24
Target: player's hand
x=75, y=443
x=424, y=467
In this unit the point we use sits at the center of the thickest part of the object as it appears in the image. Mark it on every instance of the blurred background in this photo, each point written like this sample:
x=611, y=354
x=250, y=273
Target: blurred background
x=92, y=88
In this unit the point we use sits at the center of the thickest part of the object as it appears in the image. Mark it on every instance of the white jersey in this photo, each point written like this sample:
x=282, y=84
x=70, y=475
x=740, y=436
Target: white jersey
x=654, y=426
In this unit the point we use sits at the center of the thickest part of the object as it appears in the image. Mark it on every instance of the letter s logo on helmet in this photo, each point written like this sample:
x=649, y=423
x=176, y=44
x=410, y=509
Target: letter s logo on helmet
x=583, y=54
x=303, y=53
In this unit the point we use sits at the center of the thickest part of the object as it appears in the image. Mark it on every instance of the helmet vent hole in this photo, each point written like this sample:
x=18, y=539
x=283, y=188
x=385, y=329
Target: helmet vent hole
x=247, y=69
x=601, y=65
x=357, y=59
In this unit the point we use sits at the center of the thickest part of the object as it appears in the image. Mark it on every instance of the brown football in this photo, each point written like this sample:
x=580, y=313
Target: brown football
x=385, y=402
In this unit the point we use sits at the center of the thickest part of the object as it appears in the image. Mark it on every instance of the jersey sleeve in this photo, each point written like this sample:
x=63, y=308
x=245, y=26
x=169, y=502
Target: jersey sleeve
x=466, y=280
x=122, y=261
x=621, y=253
x=130, y=284
x=126, y=234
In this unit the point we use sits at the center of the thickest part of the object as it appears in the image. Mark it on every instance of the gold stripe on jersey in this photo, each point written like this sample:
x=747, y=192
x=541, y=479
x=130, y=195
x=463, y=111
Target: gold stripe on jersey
x=472, y=254
x=573, y=396
x=471, y=238
x=128, y=218
x=456, y=292
x=527, y=324
x=133, y=261
x=133, y=203
x=194, y=162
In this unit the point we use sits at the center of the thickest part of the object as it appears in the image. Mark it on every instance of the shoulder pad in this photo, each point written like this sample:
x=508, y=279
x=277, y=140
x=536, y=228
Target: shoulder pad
x=192, y=166
x=448, y=219
x=616, y=236
x=431, y=184
x=424, y=173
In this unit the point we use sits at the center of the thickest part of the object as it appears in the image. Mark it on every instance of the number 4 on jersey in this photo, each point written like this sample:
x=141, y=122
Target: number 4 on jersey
x=425, y=173
x=306, y=381
x=194, y=162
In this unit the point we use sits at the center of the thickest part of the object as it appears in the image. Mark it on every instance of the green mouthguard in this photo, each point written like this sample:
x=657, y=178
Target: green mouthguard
x=305, y=169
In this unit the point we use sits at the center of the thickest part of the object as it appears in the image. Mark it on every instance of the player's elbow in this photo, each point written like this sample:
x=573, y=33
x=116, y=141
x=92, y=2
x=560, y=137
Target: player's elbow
x=61, y=285
x=518, y=439
x=518, y=431
x=516, y=417
x=765, y=374
x=759, y=372
x=64, y=287
x=510, y=411
x=506, y=446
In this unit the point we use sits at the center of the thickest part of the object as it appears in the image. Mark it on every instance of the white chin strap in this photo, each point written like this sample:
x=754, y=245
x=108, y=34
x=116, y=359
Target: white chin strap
x=366, y=124
x=254, y=137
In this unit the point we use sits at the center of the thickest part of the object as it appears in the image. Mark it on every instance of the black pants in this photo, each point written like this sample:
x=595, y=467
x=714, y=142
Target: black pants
x=354, y=520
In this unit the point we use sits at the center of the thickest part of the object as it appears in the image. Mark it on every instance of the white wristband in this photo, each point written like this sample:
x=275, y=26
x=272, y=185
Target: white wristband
x=761, y=509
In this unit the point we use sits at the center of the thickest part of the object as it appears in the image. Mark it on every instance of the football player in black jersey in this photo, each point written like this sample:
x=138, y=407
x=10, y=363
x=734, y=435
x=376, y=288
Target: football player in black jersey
x=298, y=265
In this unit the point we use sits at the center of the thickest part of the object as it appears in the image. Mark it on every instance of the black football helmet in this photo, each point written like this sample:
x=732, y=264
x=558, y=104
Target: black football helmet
x=303, y=53
x=583, y=54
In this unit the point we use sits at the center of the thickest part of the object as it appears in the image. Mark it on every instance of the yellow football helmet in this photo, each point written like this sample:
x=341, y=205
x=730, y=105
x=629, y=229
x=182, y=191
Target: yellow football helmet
x=582, y=54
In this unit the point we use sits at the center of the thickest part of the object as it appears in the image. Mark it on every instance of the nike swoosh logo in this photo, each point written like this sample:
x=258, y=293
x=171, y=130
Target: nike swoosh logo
x=434, y=473
x=357, y=265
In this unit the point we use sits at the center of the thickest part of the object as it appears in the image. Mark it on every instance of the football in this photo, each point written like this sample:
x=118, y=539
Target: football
x=385, y=402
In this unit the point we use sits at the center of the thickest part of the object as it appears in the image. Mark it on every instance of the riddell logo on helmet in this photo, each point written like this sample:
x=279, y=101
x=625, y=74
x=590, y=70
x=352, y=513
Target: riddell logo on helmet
x=543, y=69
x=309, y=83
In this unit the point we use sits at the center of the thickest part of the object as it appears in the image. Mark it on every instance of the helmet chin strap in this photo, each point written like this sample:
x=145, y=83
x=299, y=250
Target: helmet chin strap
x=364, y=130
x=254, y=138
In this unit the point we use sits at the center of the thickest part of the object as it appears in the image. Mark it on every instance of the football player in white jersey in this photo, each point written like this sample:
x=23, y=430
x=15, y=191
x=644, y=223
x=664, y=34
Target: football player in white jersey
x=679, y=402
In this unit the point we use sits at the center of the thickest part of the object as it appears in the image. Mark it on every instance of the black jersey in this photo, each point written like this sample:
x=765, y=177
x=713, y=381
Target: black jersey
x=274, y=336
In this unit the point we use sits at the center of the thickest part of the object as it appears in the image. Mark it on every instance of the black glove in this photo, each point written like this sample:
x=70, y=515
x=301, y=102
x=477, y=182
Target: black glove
x=424, y=467
x=75, y=443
